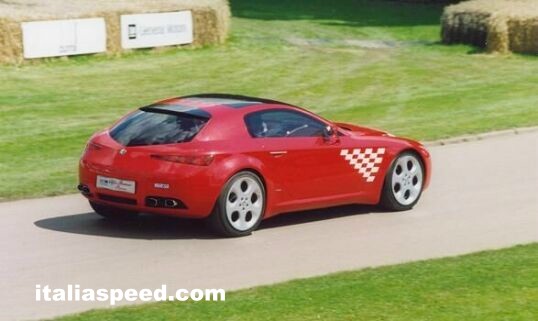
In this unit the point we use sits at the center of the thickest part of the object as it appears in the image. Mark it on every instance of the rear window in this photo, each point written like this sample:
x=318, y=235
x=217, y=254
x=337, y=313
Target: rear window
x=155, y=128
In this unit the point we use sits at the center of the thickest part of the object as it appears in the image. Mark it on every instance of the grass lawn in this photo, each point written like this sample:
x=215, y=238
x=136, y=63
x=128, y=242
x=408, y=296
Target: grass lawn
x=372, y=62
x=494, y=285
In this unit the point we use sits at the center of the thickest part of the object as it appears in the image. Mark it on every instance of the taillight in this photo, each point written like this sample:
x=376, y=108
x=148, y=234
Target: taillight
x=94, y=146
x=203, y=160
x=91, y=146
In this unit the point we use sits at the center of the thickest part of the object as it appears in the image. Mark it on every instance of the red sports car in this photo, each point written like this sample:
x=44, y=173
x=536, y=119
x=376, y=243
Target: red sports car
x=236, y=160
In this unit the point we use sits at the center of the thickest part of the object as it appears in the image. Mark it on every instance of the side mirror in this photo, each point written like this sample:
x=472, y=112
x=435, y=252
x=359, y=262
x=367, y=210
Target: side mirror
x=328, y=131
x=330, y=135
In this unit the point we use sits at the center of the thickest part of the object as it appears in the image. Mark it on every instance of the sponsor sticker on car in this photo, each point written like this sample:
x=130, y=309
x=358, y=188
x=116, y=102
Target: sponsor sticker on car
x=115, y=184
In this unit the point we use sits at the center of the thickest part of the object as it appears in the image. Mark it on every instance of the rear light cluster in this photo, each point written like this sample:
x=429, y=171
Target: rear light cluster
x=92, y=146
x=203, y=160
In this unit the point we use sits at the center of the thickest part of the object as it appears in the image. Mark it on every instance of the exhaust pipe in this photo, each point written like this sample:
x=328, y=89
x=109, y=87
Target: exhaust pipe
x=84, y=189
x=152, y=202
x=170, y=203
x=162, y=202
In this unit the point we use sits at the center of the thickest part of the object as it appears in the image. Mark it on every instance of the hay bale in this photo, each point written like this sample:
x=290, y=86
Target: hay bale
x=497, y=35
x=10, y=40
x=525, y=37
x=211, y=19
x=497, y=25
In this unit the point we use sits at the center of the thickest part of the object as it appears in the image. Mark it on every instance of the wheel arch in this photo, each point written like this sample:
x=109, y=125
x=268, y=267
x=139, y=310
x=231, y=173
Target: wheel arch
x=255, y=172
x=242, y=163
x=264, y=183
x=386, y=198
x=424, y=160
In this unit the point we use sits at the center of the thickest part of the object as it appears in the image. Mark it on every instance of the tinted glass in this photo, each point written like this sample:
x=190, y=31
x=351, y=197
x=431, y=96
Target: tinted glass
x=283, y=123
x=153, y=128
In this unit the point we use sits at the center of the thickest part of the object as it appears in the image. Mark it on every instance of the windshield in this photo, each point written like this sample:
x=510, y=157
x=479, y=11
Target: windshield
x=155, y=128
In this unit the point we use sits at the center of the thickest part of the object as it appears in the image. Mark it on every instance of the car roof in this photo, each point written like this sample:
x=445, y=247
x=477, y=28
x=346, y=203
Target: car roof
x=229, y=100
x=203, y=105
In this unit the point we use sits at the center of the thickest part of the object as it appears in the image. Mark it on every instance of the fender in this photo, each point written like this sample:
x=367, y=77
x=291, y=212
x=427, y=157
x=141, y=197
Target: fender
x=396, y=146
x=233, y=164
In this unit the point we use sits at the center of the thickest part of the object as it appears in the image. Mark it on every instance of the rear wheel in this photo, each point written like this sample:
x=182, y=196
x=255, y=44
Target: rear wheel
x=240, y=207
x=111, y=212
x=403, y=183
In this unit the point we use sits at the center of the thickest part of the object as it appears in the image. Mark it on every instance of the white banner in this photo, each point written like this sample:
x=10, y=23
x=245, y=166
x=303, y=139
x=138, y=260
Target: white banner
x=156, y=29
x=63, y=37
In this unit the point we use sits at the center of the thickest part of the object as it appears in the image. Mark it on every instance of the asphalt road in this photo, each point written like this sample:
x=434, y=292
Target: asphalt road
x=483, y=196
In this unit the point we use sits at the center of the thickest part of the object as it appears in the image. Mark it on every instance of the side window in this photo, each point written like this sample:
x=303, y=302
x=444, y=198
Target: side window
x=282, y=123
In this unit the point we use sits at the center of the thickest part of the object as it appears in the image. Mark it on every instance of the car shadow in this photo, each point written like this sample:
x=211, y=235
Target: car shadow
x=154, y=227
x=317, y=215
x=147, y=227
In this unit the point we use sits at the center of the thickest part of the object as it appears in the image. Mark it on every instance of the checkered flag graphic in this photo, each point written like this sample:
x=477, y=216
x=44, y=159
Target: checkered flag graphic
x=365, y=161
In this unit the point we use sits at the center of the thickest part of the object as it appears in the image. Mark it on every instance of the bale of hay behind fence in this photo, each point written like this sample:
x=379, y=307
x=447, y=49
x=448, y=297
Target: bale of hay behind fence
x=496, y=25
x=211, y=19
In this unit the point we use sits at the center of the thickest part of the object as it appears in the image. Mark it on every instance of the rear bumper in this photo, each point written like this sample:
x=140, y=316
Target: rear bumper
x=191, y=187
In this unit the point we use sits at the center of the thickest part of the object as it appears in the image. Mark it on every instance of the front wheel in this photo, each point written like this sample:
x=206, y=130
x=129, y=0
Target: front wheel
x=111, y=212
x=240, y=206
x=403, y=183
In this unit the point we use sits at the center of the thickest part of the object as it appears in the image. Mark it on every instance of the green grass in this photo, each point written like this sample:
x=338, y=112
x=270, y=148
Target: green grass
x=495, y=285
x=303, y=52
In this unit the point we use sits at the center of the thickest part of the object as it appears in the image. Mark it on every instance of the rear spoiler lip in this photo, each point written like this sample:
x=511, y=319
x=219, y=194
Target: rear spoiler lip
x=193, y=112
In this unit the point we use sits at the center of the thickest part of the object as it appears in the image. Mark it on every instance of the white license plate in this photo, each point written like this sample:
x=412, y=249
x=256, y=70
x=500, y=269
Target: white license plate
x=115, y=184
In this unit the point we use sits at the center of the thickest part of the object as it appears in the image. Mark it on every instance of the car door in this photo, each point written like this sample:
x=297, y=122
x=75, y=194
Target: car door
x=303, y=165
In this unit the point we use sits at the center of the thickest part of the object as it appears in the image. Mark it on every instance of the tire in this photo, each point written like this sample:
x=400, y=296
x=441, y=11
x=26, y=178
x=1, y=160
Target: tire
x=404, y=182
x=112, y=212
x=240, y=206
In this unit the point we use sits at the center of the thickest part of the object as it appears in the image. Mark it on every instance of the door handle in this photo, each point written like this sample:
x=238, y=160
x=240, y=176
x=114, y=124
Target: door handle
x=278, y=153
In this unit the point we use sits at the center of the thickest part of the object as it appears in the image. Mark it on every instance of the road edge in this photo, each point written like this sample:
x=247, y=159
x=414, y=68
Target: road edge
x=481, y=136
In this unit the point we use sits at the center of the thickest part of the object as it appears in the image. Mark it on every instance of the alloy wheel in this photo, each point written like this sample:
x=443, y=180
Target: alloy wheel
x=244, y=203
x=407, y=179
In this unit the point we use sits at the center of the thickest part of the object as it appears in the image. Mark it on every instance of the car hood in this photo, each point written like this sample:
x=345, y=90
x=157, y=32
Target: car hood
x=361, y=131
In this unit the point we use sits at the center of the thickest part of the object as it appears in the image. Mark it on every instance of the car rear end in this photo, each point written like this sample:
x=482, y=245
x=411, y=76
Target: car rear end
x=150, y=162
